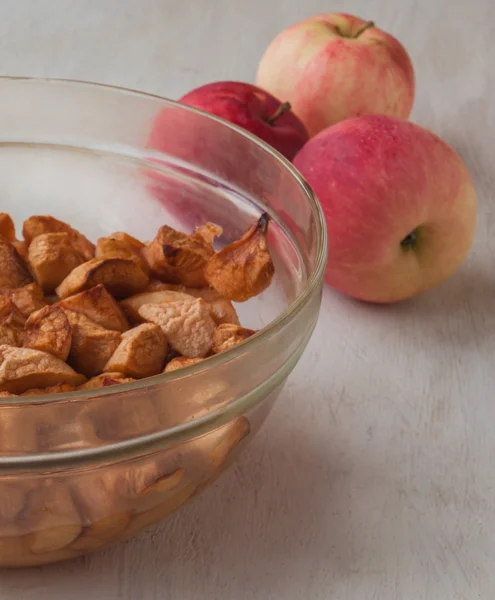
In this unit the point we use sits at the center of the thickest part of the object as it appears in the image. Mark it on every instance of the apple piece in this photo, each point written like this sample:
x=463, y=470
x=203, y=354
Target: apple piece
x=11, y=336
x=180, y=362
x=222, y=310
x=49, y=330
x=122, y=277
x=99, y=306
x=22, y=369
x=334, y=66
x=105, y=380
x=13, y=272
x=255, y=110
x=228, y=335
x=42, y=224
x=51, y=258
x=187, y=325
x=9, y=313
x=177, y=257
x=244, y=268
x=7, y=227
x=51, y=518
x=132, y=304
x=92, y=345
x=141, y=352
x=28, y=299
x=399, y=204
x=121, y=245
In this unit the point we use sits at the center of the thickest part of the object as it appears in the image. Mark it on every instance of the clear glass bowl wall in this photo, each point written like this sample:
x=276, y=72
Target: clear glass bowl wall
x=82, y=470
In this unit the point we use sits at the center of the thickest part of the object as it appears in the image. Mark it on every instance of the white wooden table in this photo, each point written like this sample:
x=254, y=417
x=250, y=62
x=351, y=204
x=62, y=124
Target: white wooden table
x=378, y=482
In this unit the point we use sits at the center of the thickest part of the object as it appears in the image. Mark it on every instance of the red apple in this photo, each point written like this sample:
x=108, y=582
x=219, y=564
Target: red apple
x=334, y=66
x=253, y=109
x=399, y=205
x=198, y=160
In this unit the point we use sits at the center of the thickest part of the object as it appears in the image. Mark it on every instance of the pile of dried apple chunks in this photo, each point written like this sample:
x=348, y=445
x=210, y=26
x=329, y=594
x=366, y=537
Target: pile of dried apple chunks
x=74, y=315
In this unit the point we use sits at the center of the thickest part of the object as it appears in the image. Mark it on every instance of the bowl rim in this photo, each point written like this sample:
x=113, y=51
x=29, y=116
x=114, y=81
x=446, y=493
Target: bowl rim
x=314, y=280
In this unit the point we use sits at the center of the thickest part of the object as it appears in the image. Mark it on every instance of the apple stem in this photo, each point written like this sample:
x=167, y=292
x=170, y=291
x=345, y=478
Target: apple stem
x=262, y=225
x=362, y=29
x=282, y=109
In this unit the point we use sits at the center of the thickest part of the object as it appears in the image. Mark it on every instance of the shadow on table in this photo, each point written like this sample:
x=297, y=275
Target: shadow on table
x=460, y=311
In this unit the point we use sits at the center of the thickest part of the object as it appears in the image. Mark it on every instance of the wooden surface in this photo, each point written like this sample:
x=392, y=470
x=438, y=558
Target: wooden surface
x=376, y=482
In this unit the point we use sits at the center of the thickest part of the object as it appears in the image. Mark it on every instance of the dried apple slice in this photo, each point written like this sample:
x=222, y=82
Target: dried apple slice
x=51, y=257
x=105, y=380
x=133, y=304
x=92, y=345
x=101, y=532
x=121, y=245
x=28, y=299
x=24, y=368
x=52, y=517
x=180, y=362
x=209, y=231
x=121, y=276
x=177, y=257
x=141, y=352
x=187, y=325
x=11, y=336
x=157, y=285
x=107, y=499
x=244, y=268
x=172, y=501
x=41, y=224
x=49, y=330
x=216, y=448
x=7, y=227
x=21, y=249
x=13, y=273
x=227, y=336
x=222, y=309
x=10, y=314
x=98, y=305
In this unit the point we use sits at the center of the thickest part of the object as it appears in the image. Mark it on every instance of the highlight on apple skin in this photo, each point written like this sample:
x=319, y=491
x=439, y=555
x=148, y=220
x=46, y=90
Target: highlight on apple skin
x=254, y=109
x=334, y=66
x=399, y=204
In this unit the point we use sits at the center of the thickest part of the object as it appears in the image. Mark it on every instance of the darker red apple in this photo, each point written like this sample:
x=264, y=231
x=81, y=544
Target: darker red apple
x=253, y=109
x=215, y=153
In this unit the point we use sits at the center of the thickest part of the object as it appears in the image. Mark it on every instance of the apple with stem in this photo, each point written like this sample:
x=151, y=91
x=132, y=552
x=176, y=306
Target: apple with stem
x=334, y=66
x=253, y=109
x=399, y=204
x=184, y=139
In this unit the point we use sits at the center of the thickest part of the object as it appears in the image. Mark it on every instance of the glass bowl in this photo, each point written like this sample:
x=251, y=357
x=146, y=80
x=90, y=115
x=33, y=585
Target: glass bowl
x=82, y=470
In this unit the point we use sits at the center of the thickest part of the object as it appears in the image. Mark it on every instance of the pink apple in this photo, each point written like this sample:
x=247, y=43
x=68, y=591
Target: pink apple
x=335, y=66
x=399, y=205
x=253, y=109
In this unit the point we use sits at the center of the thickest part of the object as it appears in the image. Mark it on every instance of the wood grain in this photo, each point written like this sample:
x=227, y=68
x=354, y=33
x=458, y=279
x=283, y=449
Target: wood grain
x=377, y=482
